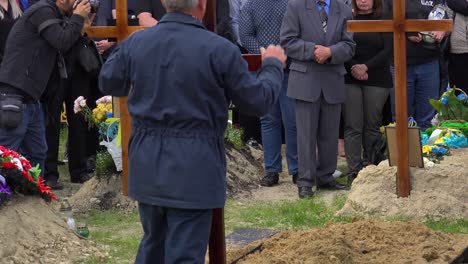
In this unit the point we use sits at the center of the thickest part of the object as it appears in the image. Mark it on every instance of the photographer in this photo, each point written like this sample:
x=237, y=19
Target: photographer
x=30, y=69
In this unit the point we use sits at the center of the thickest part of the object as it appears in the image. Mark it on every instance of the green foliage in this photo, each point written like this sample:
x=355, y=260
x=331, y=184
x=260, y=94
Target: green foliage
x=451, y=107
x=104, y=164
x=449, y=226
x=233, y=136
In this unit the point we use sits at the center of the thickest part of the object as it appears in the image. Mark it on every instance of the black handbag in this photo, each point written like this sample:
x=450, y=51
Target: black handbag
x=88, y=56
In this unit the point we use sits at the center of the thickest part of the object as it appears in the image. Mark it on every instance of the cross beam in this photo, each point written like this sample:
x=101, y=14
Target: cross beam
x=399, y=26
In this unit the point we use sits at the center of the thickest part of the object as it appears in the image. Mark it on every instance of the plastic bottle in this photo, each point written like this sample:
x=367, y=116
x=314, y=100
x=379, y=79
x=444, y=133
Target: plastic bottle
x=67, y=214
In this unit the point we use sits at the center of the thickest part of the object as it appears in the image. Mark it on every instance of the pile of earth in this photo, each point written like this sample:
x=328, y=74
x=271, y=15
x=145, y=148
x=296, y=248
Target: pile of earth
x=359, y=242
x=243, y=170
x=439, y=192
x=31, y=231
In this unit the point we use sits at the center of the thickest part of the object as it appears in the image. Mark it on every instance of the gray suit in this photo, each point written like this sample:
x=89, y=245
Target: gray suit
x=319, y=89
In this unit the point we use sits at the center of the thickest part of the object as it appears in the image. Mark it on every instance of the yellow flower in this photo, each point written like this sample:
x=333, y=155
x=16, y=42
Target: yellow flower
x=439, y=141
x=426, y=150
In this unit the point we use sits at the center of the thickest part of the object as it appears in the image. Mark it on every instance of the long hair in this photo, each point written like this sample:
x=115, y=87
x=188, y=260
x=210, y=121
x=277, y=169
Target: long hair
x=376, y=8
x=16, y=10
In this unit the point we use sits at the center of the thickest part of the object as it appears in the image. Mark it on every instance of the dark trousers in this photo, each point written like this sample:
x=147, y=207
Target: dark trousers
x=458, y=71
x=173, y=236
x=82, y=142
x=363, y=116
x=317, y=129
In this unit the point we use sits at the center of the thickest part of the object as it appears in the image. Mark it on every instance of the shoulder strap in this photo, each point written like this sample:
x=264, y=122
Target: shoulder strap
x=48, y=23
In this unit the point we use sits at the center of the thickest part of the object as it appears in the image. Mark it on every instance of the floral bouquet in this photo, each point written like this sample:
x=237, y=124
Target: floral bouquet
x=103, y=109
x=451, y=107
x=80, y=106
x=18, y=176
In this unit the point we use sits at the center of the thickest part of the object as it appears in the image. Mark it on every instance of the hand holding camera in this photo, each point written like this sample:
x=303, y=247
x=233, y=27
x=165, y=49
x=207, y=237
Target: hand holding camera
x=82, y=8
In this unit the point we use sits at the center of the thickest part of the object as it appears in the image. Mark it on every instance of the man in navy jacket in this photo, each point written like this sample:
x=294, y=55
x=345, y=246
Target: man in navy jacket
x=180, y=79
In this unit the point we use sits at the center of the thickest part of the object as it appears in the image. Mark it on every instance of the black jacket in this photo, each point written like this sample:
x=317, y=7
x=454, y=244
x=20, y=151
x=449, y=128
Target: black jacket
x=459, y=6
x=31, y=57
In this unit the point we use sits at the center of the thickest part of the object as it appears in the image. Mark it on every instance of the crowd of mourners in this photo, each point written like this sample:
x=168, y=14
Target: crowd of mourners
x=352, y=105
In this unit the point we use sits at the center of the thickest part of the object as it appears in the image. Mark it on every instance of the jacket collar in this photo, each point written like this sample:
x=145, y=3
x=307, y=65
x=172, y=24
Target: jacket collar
x=181, y=18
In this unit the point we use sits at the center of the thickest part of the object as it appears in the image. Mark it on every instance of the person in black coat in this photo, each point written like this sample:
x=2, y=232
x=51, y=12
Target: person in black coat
x=30, y=63
x=368, y=83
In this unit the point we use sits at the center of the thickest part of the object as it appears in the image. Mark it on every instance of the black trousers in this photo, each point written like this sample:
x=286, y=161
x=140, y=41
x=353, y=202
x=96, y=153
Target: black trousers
x=458, y=71
x=82, y=142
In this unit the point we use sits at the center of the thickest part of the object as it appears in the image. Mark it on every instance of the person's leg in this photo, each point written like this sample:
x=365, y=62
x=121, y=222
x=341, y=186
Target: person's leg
x=327, y=142
x=354, y=123
x=187, y=235
x=373, y=103
x=457, y=71
x=271, y=142
x=289, y=120
x=307, y=122
x=13, y=138
x=154, y=222
x=53, y=109
x=34, y=145
x=427, y=87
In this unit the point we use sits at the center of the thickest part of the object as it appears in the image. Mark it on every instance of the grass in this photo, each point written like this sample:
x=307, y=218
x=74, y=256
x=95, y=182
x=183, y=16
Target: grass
x=118, y=232
x=449, y=226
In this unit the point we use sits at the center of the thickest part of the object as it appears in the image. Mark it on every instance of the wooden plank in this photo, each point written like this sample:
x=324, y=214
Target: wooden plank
x=418, y=25
x=370, y=26
x=401, y=102
x=217, y=244
x=101, y=32
x=254, y=61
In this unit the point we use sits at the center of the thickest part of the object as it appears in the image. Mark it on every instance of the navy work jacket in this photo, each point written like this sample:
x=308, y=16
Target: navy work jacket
x=180, y=79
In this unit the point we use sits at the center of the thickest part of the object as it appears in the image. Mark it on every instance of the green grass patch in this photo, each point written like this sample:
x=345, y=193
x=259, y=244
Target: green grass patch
x=449, y=226
x=300, y=214
x=119, y=232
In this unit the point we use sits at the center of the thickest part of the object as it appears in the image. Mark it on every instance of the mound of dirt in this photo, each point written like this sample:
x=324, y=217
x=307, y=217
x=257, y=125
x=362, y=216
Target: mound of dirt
x=102, y=194
x=438, y=192
x=244, y=169
x=31, y=231
x=359, y=242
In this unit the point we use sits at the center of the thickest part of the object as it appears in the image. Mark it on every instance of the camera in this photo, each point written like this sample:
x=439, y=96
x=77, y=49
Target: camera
x=95, y=4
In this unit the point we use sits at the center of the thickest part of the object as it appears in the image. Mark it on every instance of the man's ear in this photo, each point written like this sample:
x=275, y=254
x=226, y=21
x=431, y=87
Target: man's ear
x=202, y=7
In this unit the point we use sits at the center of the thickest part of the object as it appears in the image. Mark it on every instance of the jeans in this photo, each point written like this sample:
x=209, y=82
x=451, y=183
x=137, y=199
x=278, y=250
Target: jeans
x=363, y=117
x=29, y=137
x=282, y=112
x=423, y=83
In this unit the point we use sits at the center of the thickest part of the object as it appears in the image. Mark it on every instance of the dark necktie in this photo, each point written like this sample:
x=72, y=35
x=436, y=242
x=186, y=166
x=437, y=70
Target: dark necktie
x=323, y=15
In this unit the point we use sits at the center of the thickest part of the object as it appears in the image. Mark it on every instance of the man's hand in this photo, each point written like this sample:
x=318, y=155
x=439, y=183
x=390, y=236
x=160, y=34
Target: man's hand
x=145, y=19
x=104, y=45
x=322, y=54
x=89, y=20
x=274, y=51
x=415, y=39
x=82, y=8
x=438, y=35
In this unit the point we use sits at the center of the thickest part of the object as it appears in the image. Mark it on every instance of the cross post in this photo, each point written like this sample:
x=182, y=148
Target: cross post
x=399, y=26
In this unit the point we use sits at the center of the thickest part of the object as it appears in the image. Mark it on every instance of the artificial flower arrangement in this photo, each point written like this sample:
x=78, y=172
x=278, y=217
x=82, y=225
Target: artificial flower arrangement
x=451, y=107
x=18, y=176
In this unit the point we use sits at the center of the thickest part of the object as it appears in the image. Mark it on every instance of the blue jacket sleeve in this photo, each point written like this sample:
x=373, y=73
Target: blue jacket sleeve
x=254, y=95
x=114, y=78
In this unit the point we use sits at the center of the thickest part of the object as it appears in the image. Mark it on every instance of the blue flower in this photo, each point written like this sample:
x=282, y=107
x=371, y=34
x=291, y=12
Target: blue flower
x=109, y=115
x=462, y=97
x=444, y=100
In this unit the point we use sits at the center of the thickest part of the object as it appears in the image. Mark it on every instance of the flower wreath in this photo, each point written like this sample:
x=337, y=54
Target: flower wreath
x=18, y=176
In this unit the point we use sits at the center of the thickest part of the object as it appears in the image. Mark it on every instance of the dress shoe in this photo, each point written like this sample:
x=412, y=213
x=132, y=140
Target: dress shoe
x=82, y=179
x=305, y=192
x=54, y=185
x=294, y=178
x=270, y=179
x=351, y=176
x=334, y=186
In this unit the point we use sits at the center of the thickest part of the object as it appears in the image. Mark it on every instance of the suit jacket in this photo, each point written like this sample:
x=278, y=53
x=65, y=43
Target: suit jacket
x=301, y=30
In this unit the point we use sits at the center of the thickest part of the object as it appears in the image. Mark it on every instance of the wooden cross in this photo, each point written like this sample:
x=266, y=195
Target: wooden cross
x=399, y=26
x=217, y=245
